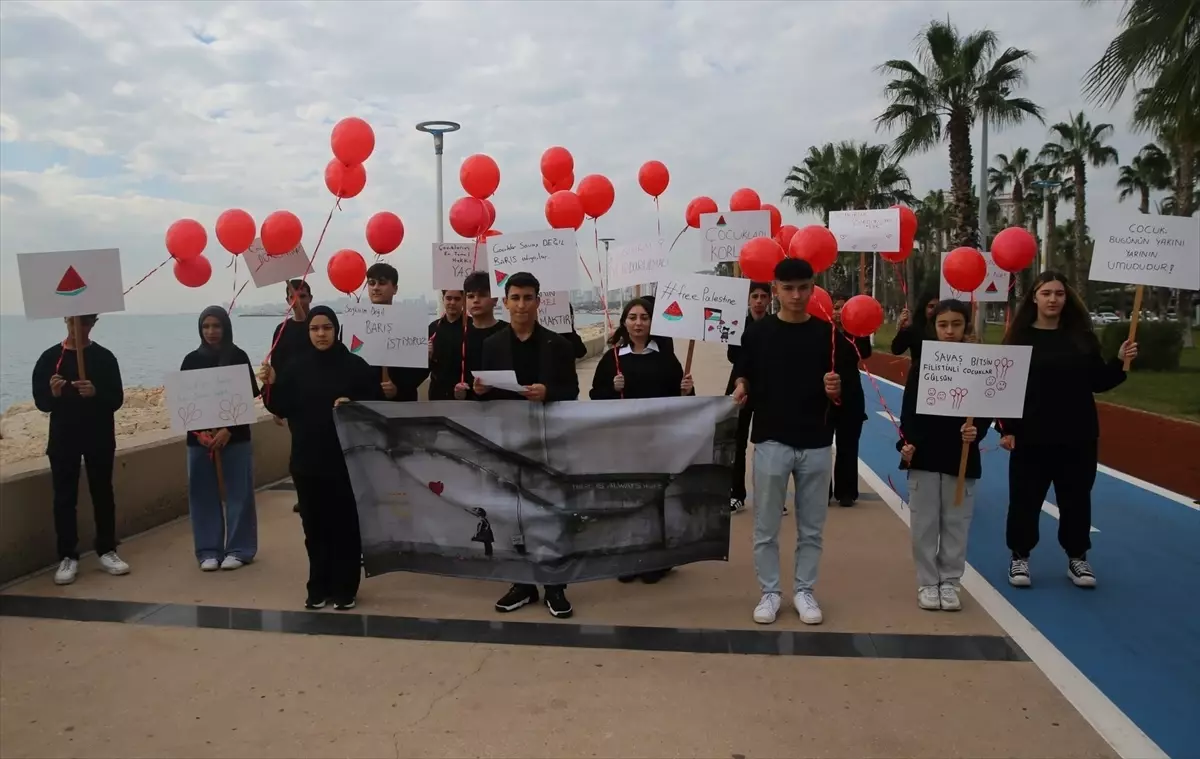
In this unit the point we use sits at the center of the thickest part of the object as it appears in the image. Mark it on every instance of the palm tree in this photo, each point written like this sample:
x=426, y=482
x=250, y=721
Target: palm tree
x=1018, y=173
x=870, y=179
x=814, y=185
x=938, y=98
x=1079, y=144
x=1149, y=170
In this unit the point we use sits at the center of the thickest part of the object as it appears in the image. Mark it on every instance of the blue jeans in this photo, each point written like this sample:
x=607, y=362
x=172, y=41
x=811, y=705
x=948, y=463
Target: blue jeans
x=774, y=464
x=209, y=520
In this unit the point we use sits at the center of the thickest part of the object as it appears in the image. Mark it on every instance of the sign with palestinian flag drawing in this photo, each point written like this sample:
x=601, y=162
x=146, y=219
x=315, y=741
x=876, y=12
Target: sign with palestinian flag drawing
x=701, y=307
x=993, y=290
x=71, y=283
x=387, y=335
x=723, y=234
x=549, y=255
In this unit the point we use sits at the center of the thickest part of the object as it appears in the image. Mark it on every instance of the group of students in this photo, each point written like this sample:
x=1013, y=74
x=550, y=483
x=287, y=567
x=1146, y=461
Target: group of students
x=795, y=378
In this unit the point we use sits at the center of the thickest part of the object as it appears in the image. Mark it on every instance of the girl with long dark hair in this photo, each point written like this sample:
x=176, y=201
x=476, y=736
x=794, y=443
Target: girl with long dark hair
x=912, y=330
x=1055, y=440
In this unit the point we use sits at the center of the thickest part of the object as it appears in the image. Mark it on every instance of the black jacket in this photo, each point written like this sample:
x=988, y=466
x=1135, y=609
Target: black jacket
x=556, y=364
x=79, y=424
x=446, y=358
x=652, y=374
x=854, y=401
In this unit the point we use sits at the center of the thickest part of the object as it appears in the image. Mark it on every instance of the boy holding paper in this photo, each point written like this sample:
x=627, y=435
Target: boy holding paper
x=398, y=383
x=544, y=364
x=481, y=307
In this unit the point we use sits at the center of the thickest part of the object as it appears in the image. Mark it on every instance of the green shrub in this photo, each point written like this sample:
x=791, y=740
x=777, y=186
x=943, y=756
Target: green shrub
x=1160, y=344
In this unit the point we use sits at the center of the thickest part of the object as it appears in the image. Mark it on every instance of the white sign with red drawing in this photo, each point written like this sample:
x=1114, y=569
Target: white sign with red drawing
x=701, y=307
x=968, y=379
x=993, y=290
x=71, y=283
x=209, y=399
x=271, y=270
x=723, y=234
x=387, y=335
x=453, y=261
x=550, y=255
x=866, y=231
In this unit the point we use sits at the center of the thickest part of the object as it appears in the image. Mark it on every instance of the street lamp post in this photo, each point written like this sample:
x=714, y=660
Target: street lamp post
x=438, y=129
x=606, y=241
x=1047, y=186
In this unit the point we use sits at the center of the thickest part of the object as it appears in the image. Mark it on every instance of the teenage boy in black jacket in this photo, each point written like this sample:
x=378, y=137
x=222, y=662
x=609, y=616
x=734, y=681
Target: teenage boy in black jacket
x=545, y=364
x=398, y=383
x=481, y=307
x=445, y=347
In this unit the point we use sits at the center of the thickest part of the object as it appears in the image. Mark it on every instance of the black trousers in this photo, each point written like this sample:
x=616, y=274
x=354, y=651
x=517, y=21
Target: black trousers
x=330, y=519
x=64, y=474
x=737, y=489
x=845, y=467
x=1032, y=469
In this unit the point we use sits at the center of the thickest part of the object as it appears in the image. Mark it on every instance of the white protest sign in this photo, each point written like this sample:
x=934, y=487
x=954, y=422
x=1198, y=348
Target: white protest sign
x=500, y=379
x=1162, y=251
x=271, y=270
x=968, y=379
x=701, y=307
x=993, y=290
x=869, y=231
x=549, y=255
x=554, y=313
x=71, y=283
x=722, y=235
x=387, y=335
x=638, y=263
x=208, y=399
x=453, y=261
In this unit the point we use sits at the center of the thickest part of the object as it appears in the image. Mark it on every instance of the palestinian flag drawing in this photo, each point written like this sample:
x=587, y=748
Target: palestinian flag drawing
x=356, y=345
x=500, y=277
x=712, y=314
x=673, y=312
x=71, y=283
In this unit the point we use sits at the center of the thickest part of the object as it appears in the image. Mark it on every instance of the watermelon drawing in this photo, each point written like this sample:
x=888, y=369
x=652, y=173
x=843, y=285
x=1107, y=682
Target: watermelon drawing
x=673, y=312
x=500, y=277
x=712, y=314
x=71, y=283
x=991, y=288
x=356, y=345
x=721, y=221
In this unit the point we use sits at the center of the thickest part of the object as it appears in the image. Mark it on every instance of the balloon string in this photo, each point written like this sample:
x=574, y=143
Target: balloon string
x=143, y=279
x=657, y=216
x=462, y=379
x=878, y=391
x=603, y=305
x=900, y=277
x=237, y=295
x=677, y=238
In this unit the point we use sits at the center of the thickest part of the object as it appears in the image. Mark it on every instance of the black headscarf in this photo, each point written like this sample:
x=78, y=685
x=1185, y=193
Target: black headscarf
x=223, y=352
x=338, y=346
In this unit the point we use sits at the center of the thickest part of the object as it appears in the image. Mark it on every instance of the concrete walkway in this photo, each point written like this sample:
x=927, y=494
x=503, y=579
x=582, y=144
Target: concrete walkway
x=225, y=664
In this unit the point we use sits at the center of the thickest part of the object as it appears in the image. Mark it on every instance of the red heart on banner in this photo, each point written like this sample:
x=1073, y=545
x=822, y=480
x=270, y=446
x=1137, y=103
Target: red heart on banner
x=437, y=487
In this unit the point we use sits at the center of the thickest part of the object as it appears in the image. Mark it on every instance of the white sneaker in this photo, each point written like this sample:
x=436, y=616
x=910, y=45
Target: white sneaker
x=928, y=598
x=949, y=598
x=113, y=564
x=232, y=562
x=767, y=609
x=67, y=569
x=210, y=565
x=808, y=608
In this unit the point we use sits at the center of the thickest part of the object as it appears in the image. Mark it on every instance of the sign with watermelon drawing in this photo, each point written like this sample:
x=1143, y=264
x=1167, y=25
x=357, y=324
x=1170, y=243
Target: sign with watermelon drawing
x=550, y=255
x=71, y=283
x=701, y=307
x=723, y=234
x=993, y=290
x=387, y=335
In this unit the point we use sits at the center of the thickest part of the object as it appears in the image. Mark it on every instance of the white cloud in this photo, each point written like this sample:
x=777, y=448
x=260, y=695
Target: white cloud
x=118, y=118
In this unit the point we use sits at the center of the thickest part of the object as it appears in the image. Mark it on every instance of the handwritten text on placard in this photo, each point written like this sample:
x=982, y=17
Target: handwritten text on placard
x=549, y=255
x=701, y=307
x=453, y=261
x=638, y=263
x=387, y=335
x=205, y=399
x=968, y=379
x=722, y=235
x=271, y=270
x=869, y=231
x=1163, y=251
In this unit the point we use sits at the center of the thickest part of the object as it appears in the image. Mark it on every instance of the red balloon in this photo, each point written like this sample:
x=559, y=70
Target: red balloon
x=861, y=316
x=964, y=269
x=352, y=141
x=235, y=230
x=345, y=181
x=897, y=256
x=491, y=212
x=491, y=233
x=776, y=218
x=557, y=165
x=281, y=232
x=654, y=178
x=702, y=204
x=908, y=223
x=468, y=217
x=186, y=239
x=1014, y=249
x=564, y=210
x=479, y=175
x=814, y=244
x=758, y=258
x=385, y=232
x=193, y=272
x=745, y=199
x=564, y=184
x=785, y=234
x=596, y=193
x=347, y=270
x=820, y=304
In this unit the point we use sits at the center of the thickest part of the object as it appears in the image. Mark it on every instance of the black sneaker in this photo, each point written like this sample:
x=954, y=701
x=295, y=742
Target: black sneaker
x=627, y=578
x=737, y=505
x=1018, y=572
x=1080, y=572
x=557, y=603
x=516, y=597
x=315, y=603
x=344, y=605
x=652, y=577
x=846, y=503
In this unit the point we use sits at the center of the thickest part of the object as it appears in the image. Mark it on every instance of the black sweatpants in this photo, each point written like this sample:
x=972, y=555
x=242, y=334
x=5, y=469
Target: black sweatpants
x=737, y=488
x=330, y=519
x=845, y=465
x=1032, y=469
x=64, y=474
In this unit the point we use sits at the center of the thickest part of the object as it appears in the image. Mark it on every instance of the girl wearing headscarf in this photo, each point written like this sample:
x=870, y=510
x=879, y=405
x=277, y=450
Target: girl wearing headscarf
x=223, y=538
x=305, y=395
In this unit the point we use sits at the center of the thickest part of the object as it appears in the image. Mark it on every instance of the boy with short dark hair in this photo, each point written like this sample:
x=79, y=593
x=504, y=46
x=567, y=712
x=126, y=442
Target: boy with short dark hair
x=445, y=347
x=481, y=307
x=399, y=383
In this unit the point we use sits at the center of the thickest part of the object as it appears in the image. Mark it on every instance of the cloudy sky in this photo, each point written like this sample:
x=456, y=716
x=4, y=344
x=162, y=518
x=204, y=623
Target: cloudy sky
x=116, y=118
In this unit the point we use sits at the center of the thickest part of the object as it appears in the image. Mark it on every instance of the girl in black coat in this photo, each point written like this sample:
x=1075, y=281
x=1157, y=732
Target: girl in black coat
x=305, y=393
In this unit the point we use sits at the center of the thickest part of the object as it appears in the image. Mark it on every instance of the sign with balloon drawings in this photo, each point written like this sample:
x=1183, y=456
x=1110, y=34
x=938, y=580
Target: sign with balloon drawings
x=554, y=311
x=867, y=231
x=723, y=234
x=993, y=290
x=969, y=379
x=550, y=255
x=71, y=283
x=638, y=263
x=1162, y=251
x=453, y=261
x=208, y=399
x=271, y=270
x=701, y=307
x=387, y=335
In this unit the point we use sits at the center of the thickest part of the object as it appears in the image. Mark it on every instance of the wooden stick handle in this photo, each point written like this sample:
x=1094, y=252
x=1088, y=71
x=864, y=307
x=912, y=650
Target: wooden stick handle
x=961, y=486
x=220, y=475
x=687, y=366
x=1133, y=319
x=384, y=374
x=77, y=328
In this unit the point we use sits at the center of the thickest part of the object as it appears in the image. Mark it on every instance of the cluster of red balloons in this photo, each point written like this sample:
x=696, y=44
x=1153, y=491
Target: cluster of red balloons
x=965, y=268
x=472, y=216
x=567, y=208
x=186, y=240
x=352, y=141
